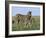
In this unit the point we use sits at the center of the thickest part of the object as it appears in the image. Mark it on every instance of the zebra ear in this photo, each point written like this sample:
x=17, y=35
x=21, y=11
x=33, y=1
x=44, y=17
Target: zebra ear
x=29, y=13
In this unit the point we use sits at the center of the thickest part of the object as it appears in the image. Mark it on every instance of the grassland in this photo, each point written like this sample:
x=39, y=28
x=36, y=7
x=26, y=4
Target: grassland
x=34, y=26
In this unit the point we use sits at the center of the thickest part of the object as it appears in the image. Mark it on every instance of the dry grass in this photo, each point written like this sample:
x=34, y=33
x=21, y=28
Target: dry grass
x=34, y=26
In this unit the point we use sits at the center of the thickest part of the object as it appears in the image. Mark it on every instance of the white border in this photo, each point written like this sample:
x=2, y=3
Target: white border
x=25, y=32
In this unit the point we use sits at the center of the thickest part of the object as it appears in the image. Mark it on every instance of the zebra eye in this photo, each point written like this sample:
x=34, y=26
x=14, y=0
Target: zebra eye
x=30, y=16
x=13, y=21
